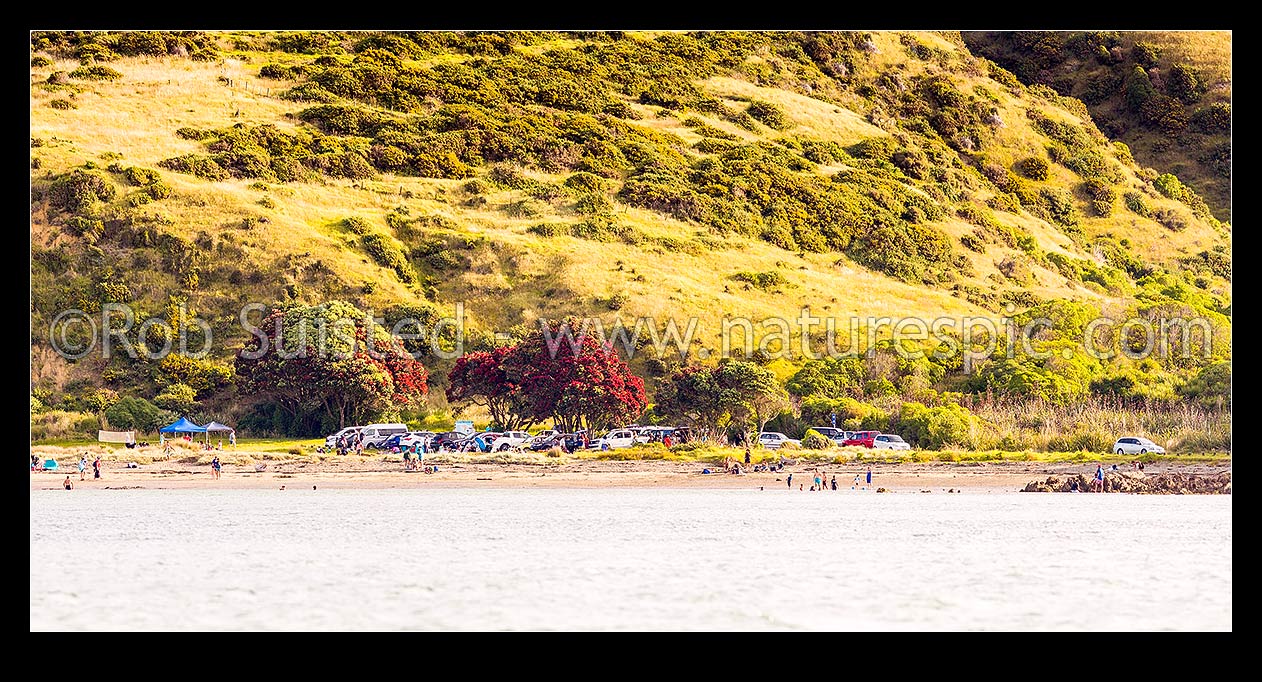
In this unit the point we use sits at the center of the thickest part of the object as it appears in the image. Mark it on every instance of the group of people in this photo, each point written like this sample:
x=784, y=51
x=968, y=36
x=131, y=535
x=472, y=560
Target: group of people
x=820, y=481
x=414, y=456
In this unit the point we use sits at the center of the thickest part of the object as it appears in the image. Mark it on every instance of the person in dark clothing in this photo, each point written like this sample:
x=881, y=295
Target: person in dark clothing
x=96, y=467
x=834, y=481
x=790, y=484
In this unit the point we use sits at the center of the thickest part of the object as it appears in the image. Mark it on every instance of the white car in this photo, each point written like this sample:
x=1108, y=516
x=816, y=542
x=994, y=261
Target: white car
x=331, y=441
x=773, y=440
x=414, y=437
x=511, y=439
x=1135, y=445
x=889, y=441
x=618, y=438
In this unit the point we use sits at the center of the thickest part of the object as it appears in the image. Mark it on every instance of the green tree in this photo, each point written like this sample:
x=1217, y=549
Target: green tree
x=136, y=413
x=179, y=398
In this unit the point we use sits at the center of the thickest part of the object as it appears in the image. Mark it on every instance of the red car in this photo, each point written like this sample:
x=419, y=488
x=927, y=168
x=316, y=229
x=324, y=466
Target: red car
x=863, y=438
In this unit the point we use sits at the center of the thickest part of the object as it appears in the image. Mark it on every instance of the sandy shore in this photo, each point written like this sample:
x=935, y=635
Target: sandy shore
x=935, y=477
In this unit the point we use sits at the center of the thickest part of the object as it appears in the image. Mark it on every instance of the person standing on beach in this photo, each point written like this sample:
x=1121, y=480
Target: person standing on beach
x=1099, y=477
x=869, y=477
x=816, y=482
x=67, y=484
x=96, y=467
x=790, y=484
x=216, y=467
x=747, y=454
x=834, y=481
x=83, y=466
x=232, y=438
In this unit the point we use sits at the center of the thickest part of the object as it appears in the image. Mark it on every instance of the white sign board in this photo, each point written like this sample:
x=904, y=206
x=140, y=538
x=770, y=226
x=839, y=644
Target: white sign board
x=465, y=427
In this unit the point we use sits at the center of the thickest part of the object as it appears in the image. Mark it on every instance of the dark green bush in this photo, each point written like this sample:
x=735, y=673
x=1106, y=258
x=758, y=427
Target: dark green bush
x=387, y=254
x=875, y=148
x=522, y=208
x=78, y=189
x=62, y=104
x=585, y=183
x=762, y=280
x=1184, y=84
x=308, y=92
x=972, y=242
x=356, y=225
x=1136, y=203
x=1060, y=206
x=39, y=61
x=196, y=164
x=1146, y=54
x=767, y=113
x=475, y=187
x=194, y=134
x=95, y=72
x=1170, y=219
x=1033, y=167
x=1215, y=118
x=140, y=177
x=592, y=203
x=1101, y=196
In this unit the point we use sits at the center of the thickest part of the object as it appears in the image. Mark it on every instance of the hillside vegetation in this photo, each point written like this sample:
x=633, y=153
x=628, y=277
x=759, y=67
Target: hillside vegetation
x=543, y=175
x=1167, y=94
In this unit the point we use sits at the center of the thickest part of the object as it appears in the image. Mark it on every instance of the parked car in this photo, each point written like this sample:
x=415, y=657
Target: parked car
x=330, y=441
x=375, y=435
x=889, y=441
x=411, y=438
x=863, y=439
x=511, y=439
x=620, y=438
x=447, y=440
x=1136, y=445
x=835, y=435
x=774, y=440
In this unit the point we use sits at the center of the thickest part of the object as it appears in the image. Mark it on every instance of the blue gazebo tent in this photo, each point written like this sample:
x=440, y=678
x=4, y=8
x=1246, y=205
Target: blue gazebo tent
x=183, y=425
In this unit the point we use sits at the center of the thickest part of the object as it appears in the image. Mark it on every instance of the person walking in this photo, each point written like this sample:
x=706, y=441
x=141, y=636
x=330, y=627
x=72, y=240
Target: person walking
x=216, y=467
x=834, y=481
x=790, y=484
x=232, y=438
x=1099, y=477
x=83, y=466
x=96, y=467
x=869, y=477
x=747, y=454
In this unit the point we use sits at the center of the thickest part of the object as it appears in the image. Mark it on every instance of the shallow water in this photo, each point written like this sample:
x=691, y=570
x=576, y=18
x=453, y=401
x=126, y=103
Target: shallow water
x=625, y=559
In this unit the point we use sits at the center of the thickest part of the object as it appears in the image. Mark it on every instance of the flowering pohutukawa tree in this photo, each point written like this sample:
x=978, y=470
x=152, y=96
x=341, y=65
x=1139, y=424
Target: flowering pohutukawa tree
x=481, y=378
x=330, y=357
x=573, y=380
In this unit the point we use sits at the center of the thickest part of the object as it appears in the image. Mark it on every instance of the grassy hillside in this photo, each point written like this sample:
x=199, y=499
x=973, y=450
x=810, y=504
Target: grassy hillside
x=1175, y=113
x=545, y=175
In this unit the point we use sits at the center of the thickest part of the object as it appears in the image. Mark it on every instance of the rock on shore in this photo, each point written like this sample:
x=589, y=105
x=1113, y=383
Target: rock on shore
x=1139, y=483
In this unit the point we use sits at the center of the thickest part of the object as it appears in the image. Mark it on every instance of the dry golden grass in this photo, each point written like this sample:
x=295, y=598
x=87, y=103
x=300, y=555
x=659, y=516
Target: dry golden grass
x=809, y=117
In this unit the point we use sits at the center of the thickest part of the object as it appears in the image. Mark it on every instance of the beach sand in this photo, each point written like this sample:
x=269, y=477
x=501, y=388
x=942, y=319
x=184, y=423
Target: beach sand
x=368, y=473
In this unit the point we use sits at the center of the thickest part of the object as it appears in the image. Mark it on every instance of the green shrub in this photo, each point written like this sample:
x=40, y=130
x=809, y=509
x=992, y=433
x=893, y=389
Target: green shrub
x=1060, y=206
x=194, y=134
x=62, y=104
x=507, y=177
x=140, y=177
x=585, y=183
x=814, y=440
x=95, y=72
x=1184, y=84
x=549, y=229
x=523, y=208
x=1170, y=219
x=1033, y=167
x=356, y=225
x=767, y=113
x=762, y=280
x=196, y=164
x=972, y=242
x=387, y=254
x=475, y=186
x=39, y=61
x=1101, y=196
x=1146, y=55
x=1136, y=203
x=592, y=203
x=1215, y=118
x=875, y=148
x=78, y=189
